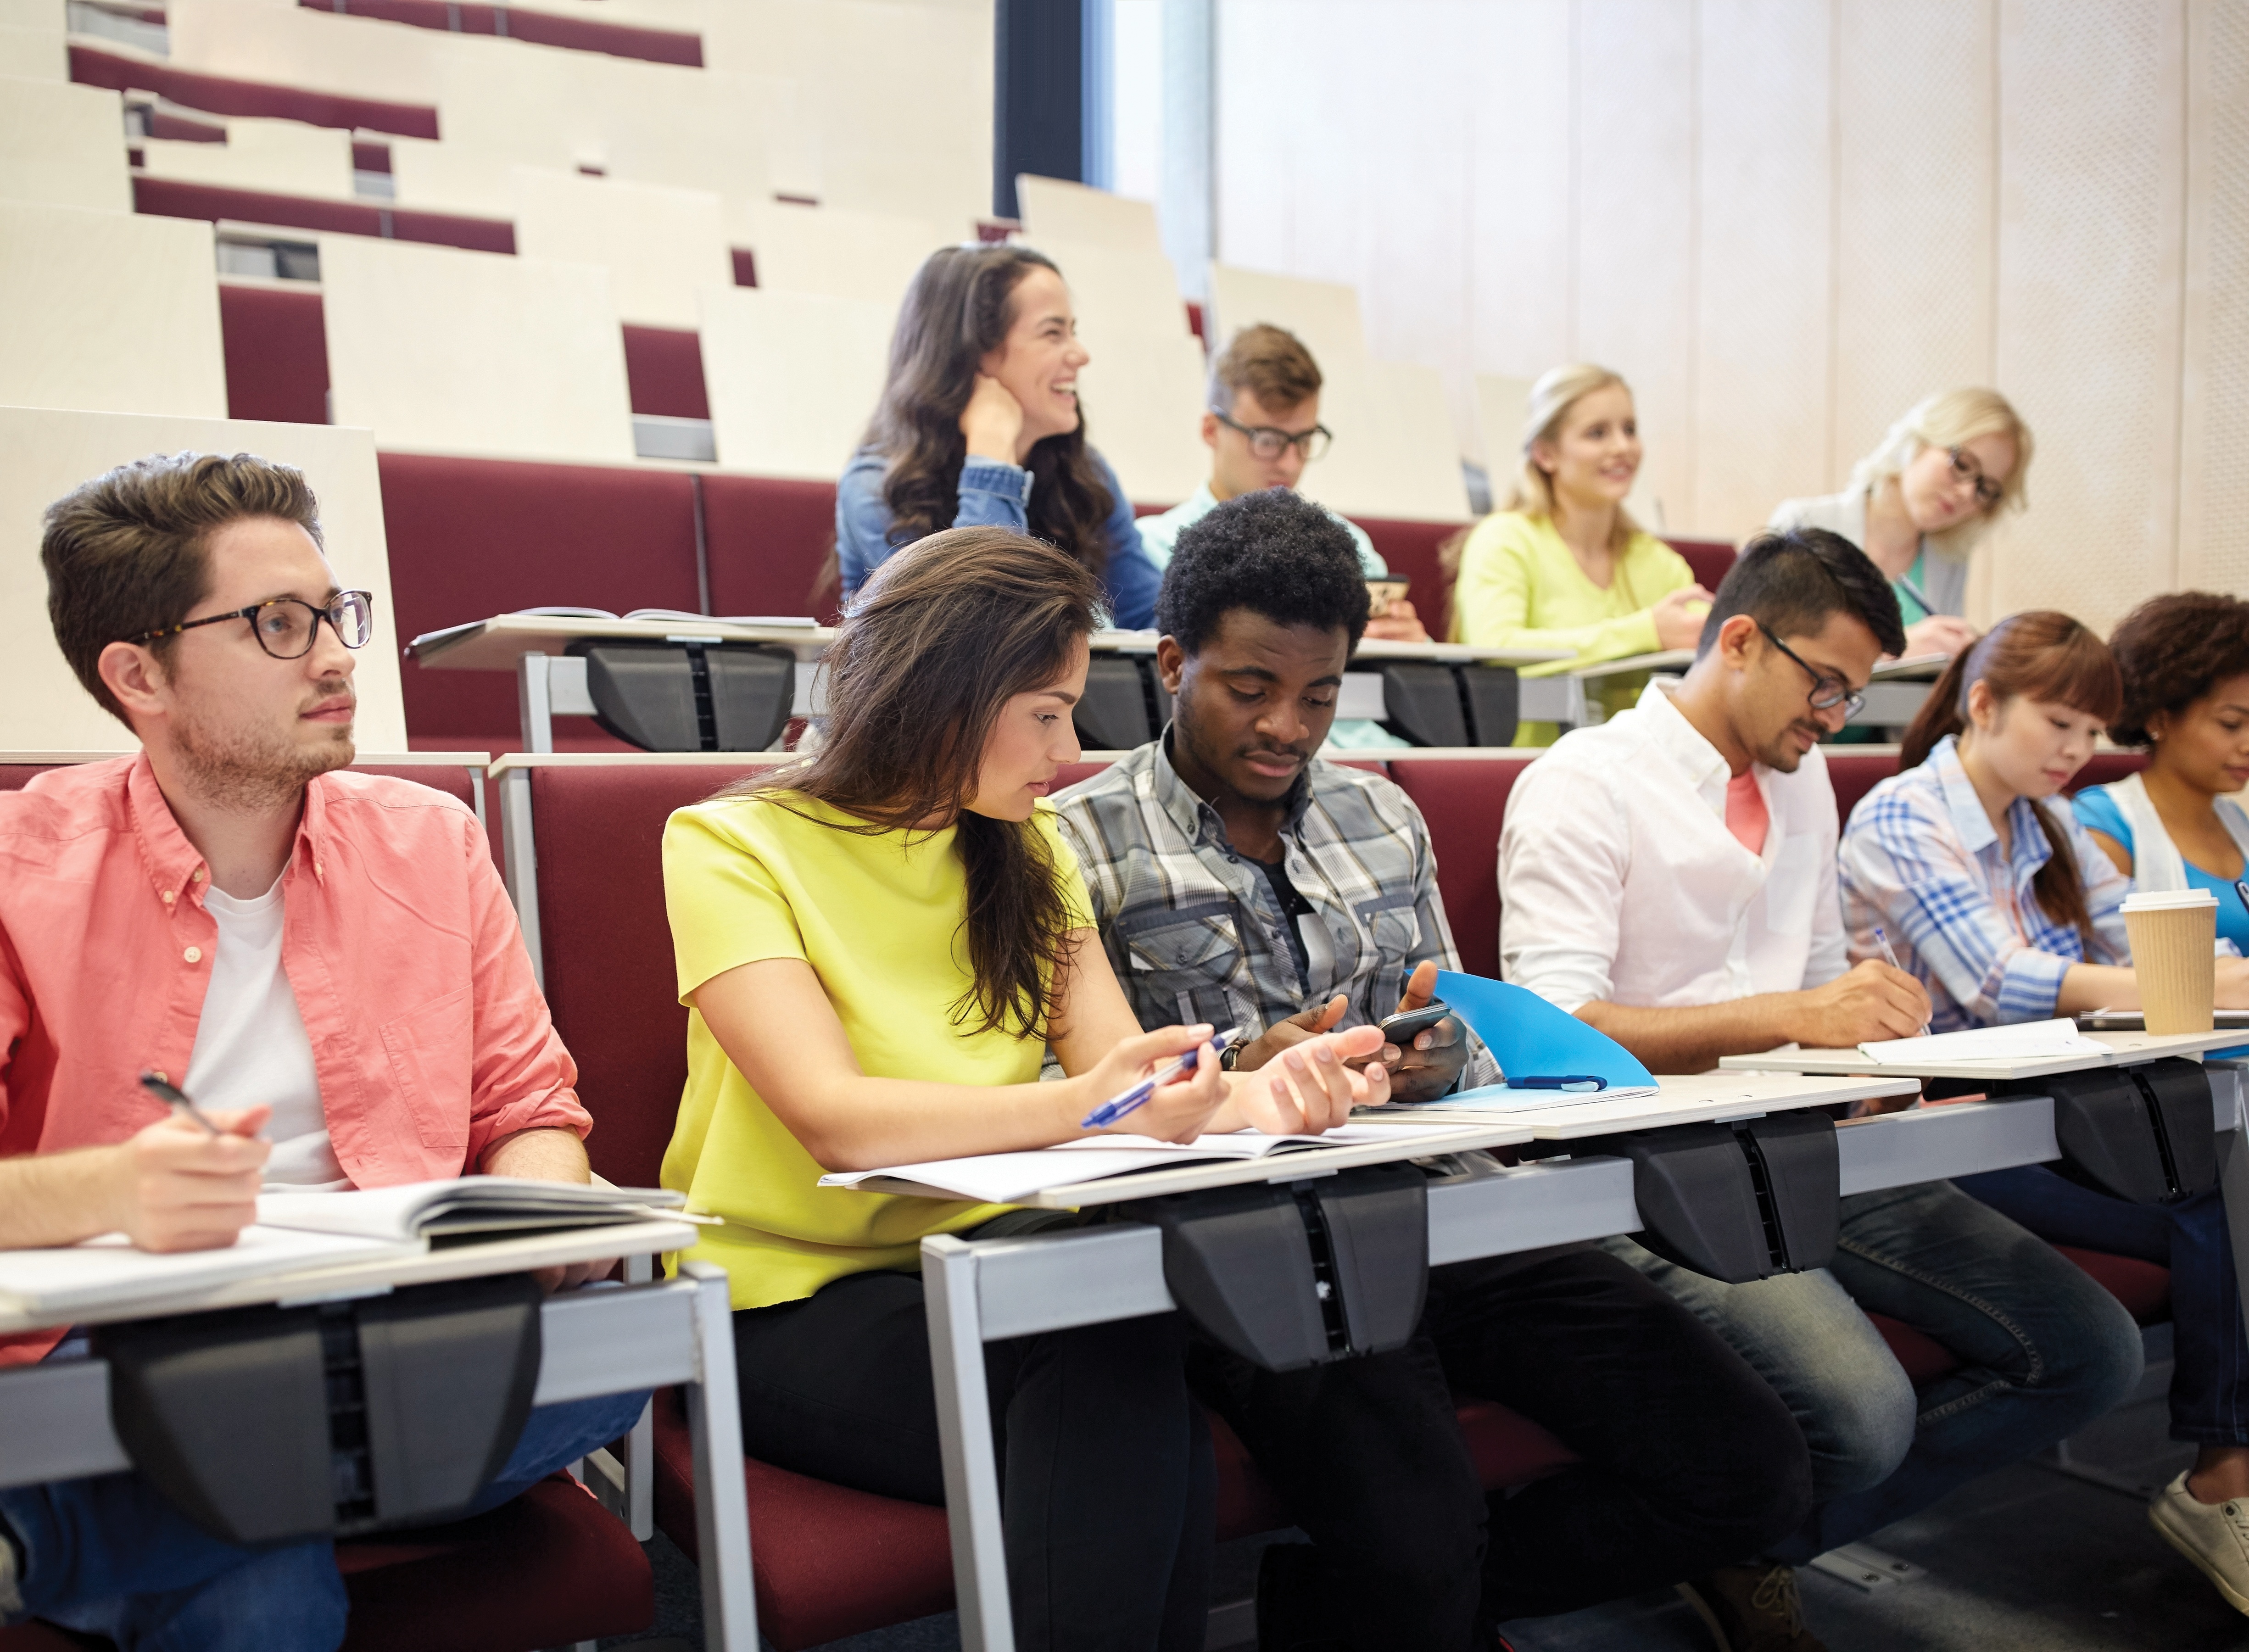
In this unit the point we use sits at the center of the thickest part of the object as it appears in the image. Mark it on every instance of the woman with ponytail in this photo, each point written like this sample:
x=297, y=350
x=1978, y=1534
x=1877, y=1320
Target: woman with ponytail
x=2005, y=907
x=876, y=948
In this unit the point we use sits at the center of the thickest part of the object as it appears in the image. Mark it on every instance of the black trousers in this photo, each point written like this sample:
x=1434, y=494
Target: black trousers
x=1690, y=1460
x=1107, y=1480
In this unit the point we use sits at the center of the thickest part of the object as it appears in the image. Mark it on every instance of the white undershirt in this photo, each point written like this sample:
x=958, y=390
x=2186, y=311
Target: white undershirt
x=252, y=1047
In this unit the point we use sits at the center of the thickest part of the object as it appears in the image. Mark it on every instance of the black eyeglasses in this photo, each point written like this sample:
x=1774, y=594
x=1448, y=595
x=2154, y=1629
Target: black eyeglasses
x=1269, y=443
x=1827, y=693
x=1965, y=469
x=285, y=626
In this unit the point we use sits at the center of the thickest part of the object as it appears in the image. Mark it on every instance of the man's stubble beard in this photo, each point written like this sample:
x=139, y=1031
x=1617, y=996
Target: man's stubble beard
x=244, y=772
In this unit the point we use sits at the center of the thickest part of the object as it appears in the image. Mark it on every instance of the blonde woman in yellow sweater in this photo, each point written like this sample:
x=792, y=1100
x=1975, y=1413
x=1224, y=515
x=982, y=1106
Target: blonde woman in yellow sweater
x=1561, y=564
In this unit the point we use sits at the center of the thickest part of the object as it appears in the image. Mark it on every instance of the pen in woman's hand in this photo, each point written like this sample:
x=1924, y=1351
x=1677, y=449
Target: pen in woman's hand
x=1890, y=958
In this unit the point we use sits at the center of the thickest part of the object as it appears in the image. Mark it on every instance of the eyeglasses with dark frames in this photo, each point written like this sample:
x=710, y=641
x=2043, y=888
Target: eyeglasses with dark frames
x=1827, y=693
x=285, y=626
x=1269, y=442
x=1965, y=469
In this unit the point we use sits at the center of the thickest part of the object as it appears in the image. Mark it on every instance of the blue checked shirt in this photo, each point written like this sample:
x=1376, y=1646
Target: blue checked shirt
x=1193, y=930
x=1921, y=858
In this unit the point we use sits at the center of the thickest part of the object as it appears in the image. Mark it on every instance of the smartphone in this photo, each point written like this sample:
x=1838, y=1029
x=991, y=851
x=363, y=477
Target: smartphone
x=1382, y=592
x=1399, y=1029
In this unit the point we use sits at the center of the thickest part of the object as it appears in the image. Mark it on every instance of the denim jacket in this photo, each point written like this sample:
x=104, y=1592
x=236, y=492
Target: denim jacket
x=992, y=494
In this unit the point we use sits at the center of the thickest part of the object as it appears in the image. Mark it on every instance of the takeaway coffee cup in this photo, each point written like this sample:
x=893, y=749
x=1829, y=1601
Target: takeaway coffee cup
x=2174, y=934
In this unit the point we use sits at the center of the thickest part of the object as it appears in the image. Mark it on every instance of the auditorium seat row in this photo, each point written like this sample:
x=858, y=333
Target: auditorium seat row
x=541, y=28
x=830, y=1561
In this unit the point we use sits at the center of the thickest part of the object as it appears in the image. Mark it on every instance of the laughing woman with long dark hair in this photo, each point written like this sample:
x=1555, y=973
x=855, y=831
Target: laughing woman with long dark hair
x=980, y=424
x=879, y=946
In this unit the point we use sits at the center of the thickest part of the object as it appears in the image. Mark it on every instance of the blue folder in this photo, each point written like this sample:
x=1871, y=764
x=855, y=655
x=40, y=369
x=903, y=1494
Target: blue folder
x=1531, y=1038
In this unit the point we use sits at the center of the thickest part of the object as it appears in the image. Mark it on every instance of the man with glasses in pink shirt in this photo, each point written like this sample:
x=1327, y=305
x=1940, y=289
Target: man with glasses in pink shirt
x=325, y=961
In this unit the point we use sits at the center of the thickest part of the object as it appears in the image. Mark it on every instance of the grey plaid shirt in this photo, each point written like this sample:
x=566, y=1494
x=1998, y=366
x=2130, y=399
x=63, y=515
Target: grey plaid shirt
x=1193, y=930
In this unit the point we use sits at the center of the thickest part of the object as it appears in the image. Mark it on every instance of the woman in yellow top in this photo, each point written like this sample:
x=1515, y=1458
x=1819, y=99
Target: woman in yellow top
x=877, y=946
x=1561, y=564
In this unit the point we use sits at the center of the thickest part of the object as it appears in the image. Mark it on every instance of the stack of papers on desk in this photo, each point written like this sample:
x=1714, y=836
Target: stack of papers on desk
x=300, y=1232
x=2026, y=1041
x=1003, y=1178
x=1503, y=1098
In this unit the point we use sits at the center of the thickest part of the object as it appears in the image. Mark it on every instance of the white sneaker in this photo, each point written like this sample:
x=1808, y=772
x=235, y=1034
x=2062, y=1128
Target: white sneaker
x=2215, y=1536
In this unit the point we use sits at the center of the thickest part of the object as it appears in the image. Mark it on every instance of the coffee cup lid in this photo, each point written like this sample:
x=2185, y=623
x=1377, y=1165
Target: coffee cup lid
x=2157, y=900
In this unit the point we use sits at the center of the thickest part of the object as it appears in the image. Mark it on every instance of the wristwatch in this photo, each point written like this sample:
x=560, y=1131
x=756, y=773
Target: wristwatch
x=1227, y=1057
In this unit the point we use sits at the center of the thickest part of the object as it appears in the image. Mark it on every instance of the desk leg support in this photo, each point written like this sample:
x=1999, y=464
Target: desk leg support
x=964, y=1424
x=722, y=1508
x=640, y=1444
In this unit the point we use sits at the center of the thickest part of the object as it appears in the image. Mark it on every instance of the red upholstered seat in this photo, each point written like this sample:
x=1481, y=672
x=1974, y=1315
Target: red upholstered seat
x=91, y=66
x=1464, y=801
x=2144, y=1288
x=1854, y=774
x=182, y=198
x=1410, y=550
x=1923, y=1357
x=551, y=1568
x=663, y=371
x=1709, y=558
x=2105, y=768
x=768, y=537
x=277, y=354
x=473, y=538
x=620, y=40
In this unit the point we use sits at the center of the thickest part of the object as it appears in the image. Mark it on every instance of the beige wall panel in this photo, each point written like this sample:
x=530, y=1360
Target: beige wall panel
x=659, y=245
x=2090, y=251
x=1118, y=295
x=913, y=136
x=793, y=377
x=109, y=312
x=1916, y=166
x=1520, y=208
x=1636, y=232
x=453, y=177
x=44, y=454
x=2214, y=471
x=1421, y=455
x=322, y=50
x=34, y=54
x=1143, y=413
x=867, y=256
x=62, y=145
x=445, y=351
x=1053, y=209
x=286, y=157
x=1764, y=247
x=1502, y=405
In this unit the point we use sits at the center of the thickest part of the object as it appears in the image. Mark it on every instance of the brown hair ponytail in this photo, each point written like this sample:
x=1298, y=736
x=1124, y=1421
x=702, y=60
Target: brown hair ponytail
x=938, y=641
x=2045, y=655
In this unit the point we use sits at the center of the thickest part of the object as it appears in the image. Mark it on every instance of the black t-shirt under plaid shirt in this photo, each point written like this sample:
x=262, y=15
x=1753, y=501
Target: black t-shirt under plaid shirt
x=1196, y=931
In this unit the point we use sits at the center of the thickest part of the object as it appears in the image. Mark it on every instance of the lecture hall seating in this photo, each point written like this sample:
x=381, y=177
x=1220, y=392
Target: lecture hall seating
x=829, y=1561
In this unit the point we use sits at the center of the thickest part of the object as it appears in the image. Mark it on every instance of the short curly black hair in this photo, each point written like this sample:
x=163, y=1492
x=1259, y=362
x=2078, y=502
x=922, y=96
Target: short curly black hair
x=1274, y=553
x=2173, y=650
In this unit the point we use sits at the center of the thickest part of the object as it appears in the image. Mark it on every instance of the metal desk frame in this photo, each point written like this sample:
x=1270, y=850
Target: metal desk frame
x=54, y=1418
x=979, y=1292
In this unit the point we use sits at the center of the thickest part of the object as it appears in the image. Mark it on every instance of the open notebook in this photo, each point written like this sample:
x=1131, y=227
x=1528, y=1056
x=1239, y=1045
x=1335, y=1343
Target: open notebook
x=2024, y=1041
x=1003, y=1178
x=299, y=1232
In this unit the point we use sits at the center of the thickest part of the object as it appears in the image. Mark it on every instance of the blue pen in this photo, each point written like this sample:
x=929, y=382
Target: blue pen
x=1890, y=958
x=1560, y=1081
x=1917, y=593
x=1116, y=1106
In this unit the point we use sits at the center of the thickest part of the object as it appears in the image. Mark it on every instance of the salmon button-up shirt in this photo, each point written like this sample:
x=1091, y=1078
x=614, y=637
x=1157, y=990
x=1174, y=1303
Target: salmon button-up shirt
x=430, y=1037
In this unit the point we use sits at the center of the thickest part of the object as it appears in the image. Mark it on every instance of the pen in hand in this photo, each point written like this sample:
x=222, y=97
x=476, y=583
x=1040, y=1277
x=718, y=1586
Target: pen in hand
x=176, y=1100
x=1890, y=958
x=1116, y=1106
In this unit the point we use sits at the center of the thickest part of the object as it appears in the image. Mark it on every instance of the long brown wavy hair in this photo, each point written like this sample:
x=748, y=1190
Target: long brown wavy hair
x=942, y=635
x=2047, y=656
x=957, y=311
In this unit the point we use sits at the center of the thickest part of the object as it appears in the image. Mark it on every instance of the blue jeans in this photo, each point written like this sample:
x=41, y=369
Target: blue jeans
x=109, y=1556
x=2209, y=1384
x=2043, y=1351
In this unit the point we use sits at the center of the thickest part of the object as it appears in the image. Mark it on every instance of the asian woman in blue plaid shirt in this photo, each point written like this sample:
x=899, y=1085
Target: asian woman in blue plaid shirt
x=2008, y=910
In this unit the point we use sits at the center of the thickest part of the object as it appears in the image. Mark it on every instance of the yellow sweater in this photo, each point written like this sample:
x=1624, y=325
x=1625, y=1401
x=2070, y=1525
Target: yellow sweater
x=1519, y=587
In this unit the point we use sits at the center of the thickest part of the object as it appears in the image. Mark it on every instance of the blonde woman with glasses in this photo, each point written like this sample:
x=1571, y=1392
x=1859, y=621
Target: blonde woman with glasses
x=1561, y=564
x=1919, y=502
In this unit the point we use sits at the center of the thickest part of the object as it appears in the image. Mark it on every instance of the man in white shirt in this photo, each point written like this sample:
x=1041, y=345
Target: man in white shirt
x=1669, y=878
